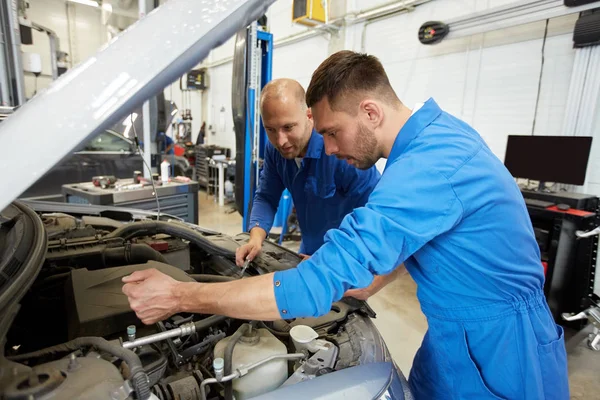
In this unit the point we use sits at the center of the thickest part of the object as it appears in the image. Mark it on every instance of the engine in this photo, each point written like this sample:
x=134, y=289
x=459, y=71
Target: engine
x=76, y=337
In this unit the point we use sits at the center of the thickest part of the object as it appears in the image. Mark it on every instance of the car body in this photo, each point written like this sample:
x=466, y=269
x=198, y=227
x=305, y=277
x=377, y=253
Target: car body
x=67, y=329
x=108, y=154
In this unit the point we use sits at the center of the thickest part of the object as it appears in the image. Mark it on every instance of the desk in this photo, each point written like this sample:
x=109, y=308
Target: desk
x=221, y=166
x=570, y=262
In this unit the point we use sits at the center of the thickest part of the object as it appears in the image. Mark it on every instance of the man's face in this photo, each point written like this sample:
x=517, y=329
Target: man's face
x=346, y=136
x=288, y=125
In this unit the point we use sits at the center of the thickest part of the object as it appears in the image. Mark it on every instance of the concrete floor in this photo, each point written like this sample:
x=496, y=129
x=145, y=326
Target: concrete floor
x=399, y=316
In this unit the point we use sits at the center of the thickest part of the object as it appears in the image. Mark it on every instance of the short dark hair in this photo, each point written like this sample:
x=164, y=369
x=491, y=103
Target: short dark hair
x=345, y=76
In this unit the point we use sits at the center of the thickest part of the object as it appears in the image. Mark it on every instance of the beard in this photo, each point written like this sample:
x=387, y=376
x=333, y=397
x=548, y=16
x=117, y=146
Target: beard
x=366, y=148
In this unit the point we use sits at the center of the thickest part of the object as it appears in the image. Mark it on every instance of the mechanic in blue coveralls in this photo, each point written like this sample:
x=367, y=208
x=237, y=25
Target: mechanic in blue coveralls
x=324, y=188
x=448, y=209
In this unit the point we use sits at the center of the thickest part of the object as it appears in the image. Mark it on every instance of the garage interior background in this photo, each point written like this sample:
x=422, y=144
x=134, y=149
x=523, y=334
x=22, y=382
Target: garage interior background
x=495, y=81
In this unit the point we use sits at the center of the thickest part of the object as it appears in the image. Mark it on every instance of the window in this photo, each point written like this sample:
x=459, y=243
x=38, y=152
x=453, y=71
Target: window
x=107, y=141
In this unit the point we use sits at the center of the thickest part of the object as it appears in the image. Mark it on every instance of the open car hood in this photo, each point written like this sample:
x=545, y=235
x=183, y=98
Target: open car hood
x=96, y=94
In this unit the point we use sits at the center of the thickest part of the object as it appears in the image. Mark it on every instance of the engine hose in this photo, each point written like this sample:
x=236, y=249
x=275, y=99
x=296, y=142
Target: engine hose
x=273, y=330
x=131, y=254
x=206, y=323
x=206, y=278
x=228, y=358
x=149, y=228
x=139, y=379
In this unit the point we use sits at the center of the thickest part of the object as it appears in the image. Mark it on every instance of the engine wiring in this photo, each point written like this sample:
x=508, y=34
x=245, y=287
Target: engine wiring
x=137, y=145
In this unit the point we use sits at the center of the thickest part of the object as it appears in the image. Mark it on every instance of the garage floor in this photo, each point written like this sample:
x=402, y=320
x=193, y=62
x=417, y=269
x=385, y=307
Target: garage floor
x=399, y=316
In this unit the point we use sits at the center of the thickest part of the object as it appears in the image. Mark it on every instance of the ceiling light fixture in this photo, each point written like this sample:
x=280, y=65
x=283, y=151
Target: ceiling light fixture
x=90, y=3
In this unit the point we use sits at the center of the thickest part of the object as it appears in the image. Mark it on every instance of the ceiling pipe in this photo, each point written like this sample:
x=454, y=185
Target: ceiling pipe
x=368, y=15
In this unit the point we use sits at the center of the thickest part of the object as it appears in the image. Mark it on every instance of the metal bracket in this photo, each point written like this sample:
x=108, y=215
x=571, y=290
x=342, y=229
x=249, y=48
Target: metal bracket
x=592, y=314
x=582, y=234
x=123, y=392
x=322, y=360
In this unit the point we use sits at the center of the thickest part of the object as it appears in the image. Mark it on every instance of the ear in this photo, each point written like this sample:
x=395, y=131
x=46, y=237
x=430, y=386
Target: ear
x=309, y=113
x=371, y=111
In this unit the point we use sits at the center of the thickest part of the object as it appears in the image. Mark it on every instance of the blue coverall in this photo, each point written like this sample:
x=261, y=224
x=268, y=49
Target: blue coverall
x=324, y=190
x=448, y=208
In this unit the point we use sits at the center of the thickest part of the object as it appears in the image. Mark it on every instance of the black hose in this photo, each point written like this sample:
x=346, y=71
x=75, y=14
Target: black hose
x=208, y=322
x=139, y=379
x=131, y=254
x=211, y=278
x=149, y=228
x=228, y=358
x=273, y=330
x=202, y=346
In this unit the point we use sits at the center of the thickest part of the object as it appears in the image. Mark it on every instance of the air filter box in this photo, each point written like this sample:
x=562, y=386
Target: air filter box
x=96, y=305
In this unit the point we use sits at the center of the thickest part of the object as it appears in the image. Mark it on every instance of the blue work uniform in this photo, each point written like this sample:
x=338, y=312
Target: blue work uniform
x=166, y=142
x=448, y=208
x=324, y=190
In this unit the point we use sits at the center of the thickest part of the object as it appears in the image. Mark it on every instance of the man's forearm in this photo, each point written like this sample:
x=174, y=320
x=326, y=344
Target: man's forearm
x=379, y=282
x=250, y=298
x=258, y=234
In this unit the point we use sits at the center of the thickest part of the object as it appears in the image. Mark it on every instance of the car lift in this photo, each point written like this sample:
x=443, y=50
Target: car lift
x=260, y=62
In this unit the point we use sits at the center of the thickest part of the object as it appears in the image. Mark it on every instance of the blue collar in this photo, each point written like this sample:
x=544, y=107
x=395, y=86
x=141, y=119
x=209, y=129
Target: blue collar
x=315, y=146
x=415, y=124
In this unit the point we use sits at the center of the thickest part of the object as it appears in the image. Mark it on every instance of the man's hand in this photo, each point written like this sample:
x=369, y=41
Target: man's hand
x=379, y=282
x=248, y=251
x=304, y=256
x=152, y=295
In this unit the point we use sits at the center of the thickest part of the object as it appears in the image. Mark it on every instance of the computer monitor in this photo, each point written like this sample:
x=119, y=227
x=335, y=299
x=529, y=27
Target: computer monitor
x=558, y=159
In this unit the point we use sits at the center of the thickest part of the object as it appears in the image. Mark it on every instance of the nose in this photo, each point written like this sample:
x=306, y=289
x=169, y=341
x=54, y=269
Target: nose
x=281, y=139
x=330, y=146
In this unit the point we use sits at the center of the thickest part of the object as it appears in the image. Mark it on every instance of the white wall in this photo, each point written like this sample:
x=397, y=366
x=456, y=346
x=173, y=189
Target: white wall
x=296, y=60
x=220, y=118
x=85, y=39
x=489, y=80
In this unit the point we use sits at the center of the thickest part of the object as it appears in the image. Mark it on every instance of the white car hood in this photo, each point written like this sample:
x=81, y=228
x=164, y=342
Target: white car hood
x=132, y=68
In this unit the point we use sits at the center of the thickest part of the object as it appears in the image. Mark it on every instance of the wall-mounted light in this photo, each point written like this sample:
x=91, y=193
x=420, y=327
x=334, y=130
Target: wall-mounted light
x=92, y=3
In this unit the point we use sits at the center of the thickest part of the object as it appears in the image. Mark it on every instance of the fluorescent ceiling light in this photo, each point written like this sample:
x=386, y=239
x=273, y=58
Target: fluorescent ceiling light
x=85, y=2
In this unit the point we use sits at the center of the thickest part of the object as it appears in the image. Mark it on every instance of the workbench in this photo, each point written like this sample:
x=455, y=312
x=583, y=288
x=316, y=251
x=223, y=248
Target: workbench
x=175, y=198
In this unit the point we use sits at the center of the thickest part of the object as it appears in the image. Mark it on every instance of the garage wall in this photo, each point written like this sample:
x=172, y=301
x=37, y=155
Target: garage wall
x=220, y=117
x=295, y=60
x=489, y=80
x=191, y=100
x=86, y=39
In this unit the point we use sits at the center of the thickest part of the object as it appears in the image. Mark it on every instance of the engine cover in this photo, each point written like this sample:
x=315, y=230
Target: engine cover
x=96, y=305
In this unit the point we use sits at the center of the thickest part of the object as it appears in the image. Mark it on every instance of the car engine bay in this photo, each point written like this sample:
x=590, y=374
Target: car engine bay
x=74, y=335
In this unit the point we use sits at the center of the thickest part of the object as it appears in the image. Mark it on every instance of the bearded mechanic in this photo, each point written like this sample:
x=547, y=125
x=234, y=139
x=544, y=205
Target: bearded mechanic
x=446, y=207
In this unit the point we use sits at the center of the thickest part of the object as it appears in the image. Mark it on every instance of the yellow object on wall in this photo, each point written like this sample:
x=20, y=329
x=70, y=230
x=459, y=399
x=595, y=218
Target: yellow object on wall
x=310, y=12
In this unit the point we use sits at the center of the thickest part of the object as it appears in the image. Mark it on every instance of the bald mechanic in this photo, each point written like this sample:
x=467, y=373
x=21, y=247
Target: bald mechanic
x=324, y=188
x=446, y=207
